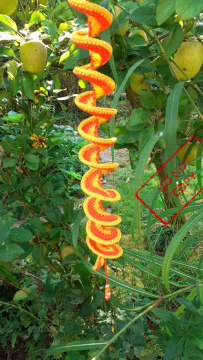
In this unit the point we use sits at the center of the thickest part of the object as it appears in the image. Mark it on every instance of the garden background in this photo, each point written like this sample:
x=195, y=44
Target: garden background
x=51, y=300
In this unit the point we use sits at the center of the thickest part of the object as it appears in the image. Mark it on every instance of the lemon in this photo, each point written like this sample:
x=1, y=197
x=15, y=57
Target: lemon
x=192, y=154
x=137, y=83
x=33, y=55
x=189, y=58
x=42, y=2
x=68, y=250
x=7, y=7
x=121, y=30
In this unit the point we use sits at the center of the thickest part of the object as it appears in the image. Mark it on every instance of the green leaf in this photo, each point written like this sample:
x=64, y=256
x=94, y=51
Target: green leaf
x=145, y=135
x=187, y=9
x=37, y=255
x=48, y=188
x=75, y=346
x=32, y=162
x=134, y=156
x=199, y=30
x=173, y=41
x=76, y=226
x=8, y=23
x=129, y=137
x=75, y=56
x=9, y=162
x=53, y=214
x=147, y=99
x=6, y=272
x=164, y=10
x=187, y=304
x=49, y=26
x=5, y=51
x=5, y=225
x=9, y=144
x=36, y=226
x=28, y=85
x=23, y=184
x=197, y=342
x=136, y=40
x=14, y=117
x=70, y=259
x=139, y=118
x=162, y=314
x=171, y=123
x=190, y=297
x=36, y=17
x=10, y=252
x=144, y=14
x=174, y=244
x=20, y=295
x=19, y=234
x=174, y=348
x=68, y=208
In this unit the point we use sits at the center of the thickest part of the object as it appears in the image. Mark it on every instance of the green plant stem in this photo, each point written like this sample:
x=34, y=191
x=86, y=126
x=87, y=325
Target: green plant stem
x=154, y=304
x=164, y=53
x=195, y=106
x=198, y=89
x=21, y=309
x=23, y=11
x=125, y=327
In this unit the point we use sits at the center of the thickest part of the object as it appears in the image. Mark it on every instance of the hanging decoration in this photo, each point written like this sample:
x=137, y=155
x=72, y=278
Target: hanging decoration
x=101, y=236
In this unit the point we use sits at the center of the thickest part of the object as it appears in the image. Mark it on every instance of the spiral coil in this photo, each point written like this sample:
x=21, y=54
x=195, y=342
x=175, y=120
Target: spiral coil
x=101, y=237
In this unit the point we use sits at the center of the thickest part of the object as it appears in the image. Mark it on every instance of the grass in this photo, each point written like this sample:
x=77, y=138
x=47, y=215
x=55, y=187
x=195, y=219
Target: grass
x=123, y=182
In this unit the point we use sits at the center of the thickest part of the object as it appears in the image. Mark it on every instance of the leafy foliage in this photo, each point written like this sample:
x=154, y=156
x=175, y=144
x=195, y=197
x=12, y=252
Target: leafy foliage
x=54, y=307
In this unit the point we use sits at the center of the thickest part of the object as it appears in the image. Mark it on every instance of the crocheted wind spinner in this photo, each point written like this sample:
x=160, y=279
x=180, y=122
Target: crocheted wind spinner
x=101, y=237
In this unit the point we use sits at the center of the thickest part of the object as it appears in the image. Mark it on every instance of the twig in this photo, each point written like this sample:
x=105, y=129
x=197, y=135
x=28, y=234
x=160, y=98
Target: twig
x=23, y=11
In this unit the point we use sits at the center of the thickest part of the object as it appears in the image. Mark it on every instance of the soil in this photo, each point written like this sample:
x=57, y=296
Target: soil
x=19, y=354
x=120, y=156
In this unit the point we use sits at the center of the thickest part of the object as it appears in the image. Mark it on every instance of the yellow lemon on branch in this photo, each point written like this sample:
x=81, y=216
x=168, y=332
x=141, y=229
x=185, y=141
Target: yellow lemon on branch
x=33, y=55
x=189, y=59
x=137, y=83
x=192, y=154
x=68, y=250
x=7, y=7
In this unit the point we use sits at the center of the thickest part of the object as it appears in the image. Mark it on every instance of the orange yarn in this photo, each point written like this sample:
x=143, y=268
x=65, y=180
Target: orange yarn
x=101, y=236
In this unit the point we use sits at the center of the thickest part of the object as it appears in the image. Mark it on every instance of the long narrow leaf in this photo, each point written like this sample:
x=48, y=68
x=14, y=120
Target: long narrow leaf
x=175, y=244
x=159, y=260
x=75, y=346
x=171, y=128
x=171, y=120
x=145, y=270
x=119, y=283
x=140, y=174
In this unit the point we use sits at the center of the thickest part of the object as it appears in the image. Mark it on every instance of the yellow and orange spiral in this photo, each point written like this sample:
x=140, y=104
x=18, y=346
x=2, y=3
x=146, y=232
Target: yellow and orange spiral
x=101, y=236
